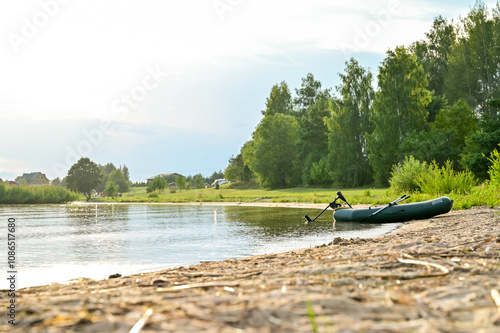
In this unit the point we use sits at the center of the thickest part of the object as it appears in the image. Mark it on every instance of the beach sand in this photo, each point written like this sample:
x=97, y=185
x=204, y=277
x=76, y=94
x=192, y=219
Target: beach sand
x=435, y=275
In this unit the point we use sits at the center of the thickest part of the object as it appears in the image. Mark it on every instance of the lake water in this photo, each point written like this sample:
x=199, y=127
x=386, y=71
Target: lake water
x=55, y=243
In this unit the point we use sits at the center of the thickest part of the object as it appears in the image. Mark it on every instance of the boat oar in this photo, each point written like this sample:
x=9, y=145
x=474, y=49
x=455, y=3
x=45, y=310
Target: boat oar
x=341, y=197
x=395, y=202
x=332, y=204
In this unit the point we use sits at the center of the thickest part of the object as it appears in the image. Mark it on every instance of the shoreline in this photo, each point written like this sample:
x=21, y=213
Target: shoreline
x=428, y=275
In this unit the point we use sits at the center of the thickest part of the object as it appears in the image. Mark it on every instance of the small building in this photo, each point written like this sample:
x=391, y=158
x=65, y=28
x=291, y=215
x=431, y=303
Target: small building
x=164, y=175
x=36, y=178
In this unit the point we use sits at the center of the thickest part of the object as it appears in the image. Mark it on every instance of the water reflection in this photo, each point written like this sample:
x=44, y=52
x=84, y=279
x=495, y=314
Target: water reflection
x=121, y=237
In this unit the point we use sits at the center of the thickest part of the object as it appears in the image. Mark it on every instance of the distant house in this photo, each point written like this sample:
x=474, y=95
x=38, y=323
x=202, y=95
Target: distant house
x=164, y=175
x=36, y=178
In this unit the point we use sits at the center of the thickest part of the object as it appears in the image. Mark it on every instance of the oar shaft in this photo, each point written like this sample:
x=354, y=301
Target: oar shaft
x=395, y=202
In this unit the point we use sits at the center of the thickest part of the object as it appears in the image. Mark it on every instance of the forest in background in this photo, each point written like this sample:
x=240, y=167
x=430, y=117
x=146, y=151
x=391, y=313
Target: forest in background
x=437, y=99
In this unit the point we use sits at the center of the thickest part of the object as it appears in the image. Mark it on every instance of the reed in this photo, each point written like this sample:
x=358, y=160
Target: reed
x=36, y=195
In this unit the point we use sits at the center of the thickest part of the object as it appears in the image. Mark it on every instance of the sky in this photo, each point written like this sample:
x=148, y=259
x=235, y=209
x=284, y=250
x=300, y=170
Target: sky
x=174, y=86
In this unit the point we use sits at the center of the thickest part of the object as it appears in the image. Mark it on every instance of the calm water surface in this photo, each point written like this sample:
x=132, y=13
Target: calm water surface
x=60, y=242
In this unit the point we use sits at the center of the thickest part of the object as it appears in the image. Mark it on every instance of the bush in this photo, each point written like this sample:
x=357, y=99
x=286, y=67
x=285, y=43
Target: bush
x=416, y=176
x=445, y=180
x=404, y=176
x=320, y=173
x=494, y=170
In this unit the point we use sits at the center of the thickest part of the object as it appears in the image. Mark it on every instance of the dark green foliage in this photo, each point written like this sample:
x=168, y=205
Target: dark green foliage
x=445, y=138
x=482, y=142
x=84, y=176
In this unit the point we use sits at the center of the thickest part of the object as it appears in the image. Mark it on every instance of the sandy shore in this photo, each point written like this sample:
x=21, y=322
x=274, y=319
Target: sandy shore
x=436, y=275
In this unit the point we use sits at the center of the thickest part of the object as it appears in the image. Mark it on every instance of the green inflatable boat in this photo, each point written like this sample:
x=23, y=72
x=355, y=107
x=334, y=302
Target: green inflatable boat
x=395, y=212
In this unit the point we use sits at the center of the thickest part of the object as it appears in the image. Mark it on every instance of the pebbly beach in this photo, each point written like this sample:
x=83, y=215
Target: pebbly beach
x=436, y=275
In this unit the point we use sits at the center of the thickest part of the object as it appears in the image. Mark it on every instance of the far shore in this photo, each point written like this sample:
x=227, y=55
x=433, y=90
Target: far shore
x=260, y=203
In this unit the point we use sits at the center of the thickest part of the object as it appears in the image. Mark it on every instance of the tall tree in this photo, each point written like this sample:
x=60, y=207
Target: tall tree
x=399, y=107
x=198, y=181
x=237, y=169
x=84, y=176
x=433, y=53
x=348, y=126
x=313, y=142
x=309, y=93
x=279, y=100
x=445, y=138
x=118, y=178
x=126, y=173
x=481, y=143
x=473, y=65
x=271, y=152
x=180, y=182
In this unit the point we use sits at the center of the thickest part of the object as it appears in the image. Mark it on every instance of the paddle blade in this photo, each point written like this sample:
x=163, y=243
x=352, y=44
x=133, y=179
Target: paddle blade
x=309, y=220
x=341, y=196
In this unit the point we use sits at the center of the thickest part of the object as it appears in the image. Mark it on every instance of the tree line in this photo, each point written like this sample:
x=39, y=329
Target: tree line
x=437, y=99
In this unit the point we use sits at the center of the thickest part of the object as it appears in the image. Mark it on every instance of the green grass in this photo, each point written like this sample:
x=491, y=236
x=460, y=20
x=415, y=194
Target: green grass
x=371, y=196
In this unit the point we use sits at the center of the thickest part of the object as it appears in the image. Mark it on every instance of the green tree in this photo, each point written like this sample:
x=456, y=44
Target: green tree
x=84, y=176
x=474, y=61
x=348, y=126
x=111, y=190
x=158, y=184
x=21, y=180
x=180, y=182
x=126, y=173
x=433, y=53
x=398, y=108
x=309, y=93
x=198, y=181
x=446, y=137
x=271, y=153
x=237, y=170
x=482, y=142
x=56, y=181
x=313, y=141
x=118, y=178
x=279, y=100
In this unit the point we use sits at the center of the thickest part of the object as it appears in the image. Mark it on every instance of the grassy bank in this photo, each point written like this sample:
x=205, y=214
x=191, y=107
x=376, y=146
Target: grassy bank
x=479, y=196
